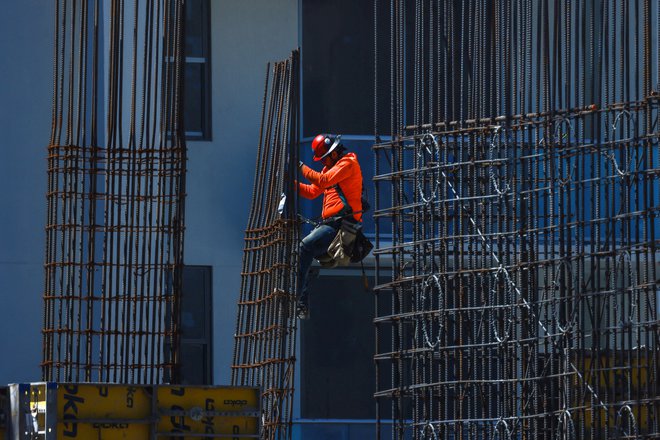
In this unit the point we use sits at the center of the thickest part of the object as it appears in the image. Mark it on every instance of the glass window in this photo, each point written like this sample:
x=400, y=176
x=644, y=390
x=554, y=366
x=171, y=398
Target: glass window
x=197, y=86
x=338, y=67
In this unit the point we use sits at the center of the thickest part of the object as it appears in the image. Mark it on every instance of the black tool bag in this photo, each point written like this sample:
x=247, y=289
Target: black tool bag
x=361, y=247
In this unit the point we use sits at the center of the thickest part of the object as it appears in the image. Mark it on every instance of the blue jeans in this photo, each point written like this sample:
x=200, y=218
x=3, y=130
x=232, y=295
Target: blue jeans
x=313, y=246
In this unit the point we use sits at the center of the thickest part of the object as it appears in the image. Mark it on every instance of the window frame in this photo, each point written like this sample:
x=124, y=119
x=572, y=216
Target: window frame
x=205, y=109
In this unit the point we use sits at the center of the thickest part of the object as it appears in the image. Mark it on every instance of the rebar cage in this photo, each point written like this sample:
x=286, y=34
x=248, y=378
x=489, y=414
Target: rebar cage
x=265, y=338
x=116, y=186
x=516, y=217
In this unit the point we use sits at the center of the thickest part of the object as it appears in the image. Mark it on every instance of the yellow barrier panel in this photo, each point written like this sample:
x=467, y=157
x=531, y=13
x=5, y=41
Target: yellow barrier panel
x=136, y=412
x=210, y=410
x=93, y=410
x=103, y=430
x=90, y=401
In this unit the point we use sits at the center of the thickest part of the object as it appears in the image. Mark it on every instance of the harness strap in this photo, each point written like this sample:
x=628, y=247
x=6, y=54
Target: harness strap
x=346, y=210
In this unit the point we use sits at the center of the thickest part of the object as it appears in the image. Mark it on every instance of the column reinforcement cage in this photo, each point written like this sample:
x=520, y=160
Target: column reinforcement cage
x=265, y=338
x=516, y=216
x=116, y=187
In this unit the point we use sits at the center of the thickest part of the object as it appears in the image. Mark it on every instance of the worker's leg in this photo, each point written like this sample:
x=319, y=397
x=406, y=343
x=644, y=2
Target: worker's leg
x=314, y=245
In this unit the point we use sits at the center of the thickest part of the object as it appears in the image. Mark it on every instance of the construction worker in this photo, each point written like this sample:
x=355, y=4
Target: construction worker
x=340, y=182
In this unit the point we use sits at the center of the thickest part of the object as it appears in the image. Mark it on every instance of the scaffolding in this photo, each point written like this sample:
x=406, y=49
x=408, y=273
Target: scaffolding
x=516, y=217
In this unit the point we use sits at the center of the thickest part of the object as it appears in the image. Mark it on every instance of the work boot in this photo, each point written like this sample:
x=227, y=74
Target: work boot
x=302, y=310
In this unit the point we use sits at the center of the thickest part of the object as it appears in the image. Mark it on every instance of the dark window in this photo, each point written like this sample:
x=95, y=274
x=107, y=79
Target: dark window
x=195, y=309
x=196, y=326
x=197, y=87
x=338, y=68
x=331, y=352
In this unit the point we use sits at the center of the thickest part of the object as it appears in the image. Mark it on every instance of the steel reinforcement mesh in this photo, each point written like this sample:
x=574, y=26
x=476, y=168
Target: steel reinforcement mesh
x=265, y=338
x=116, y=175
x=516, y=215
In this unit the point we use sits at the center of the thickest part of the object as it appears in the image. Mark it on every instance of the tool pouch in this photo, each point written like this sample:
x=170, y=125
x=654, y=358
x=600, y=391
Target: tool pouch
x=341, y=247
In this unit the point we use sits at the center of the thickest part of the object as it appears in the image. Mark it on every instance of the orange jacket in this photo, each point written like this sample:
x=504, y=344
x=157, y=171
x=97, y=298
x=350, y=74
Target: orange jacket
x=347, y=174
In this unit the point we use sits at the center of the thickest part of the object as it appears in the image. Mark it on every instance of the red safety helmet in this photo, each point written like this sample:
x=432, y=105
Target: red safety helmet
x=324, y=144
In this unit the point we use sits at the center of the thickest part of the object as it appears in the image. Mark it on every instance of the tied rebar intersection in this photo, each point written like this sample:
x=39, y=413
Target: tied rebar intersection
x=516, y=216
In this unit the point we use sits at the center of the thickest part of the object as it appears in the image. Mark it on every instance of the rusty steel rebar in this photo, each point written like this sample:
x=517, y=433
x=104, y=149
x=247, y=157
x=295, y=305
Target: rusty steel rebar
x=516, y=216
x=265, y=338
x=114, y=232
